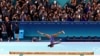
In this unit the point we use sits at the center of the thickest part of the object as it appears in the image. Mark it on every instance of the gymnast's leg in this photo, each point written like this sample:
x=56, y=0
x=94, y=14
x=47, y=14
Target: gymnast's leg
x=44, y=34
x=58, y=33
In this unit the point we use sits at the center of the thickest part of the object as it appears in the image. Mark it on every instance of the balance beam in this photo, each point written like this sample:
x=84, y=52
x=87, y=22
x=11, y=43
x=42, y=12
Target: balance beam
x=54, y=53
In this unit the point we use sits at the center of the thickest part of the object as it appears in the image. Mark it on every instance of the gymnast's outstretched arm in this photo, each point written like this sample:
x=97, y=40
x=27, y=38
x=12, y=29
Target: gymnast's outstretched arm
x=58, y=33
x=44, y=34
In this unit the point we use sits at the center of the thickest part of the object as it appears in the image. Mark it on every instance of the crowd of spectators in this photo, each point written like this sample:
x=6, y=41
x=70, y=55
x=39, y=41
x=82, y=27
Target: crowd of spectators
x=43, y=10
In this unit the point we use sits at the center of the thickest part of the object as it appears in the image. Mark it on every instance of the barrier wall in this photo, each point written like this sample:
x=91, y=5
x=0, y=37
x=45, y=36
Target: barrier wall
x=71, y=28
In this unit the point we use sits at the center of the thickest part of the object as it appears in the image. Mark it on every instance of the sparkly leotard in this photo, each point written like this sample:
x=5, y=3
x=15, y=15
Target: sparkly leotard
x=52, y=40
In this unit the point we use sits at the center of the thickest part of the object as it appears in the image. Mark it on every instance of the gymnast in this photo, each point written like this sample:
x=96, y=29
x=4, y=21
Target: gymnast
x=52, y=37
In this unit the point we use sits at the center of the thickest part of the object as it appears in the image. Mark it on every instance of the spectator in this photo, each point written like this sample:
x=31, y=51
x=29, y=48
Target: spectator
x=0, y=31
x=8, y=28
x=0, y=18
x=16, y=31
x=4, y=32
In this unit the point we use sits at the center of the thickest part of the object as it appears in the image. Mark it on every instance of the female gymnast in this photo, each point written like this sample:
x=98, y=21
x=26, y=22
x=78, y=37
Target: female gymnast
x=52, y=37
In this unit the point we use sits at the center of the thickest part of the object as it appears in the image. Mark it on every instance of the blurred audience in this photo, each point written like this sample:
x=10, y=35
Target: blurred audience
x=43, y=10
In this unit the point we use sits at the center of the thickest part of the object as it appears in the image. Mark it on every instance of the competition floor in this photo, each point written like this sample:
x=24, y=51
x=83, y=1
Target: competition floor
x=6, y=47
